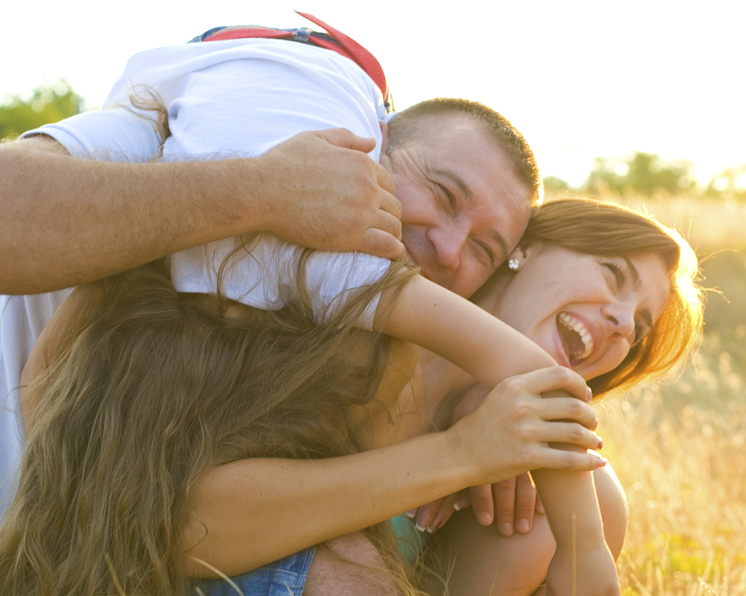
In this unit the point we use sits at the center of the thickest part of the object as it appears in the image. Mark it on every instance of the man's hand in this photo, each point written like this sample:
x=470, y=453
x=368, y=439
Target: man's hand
x=321, y=190
x=67, y=221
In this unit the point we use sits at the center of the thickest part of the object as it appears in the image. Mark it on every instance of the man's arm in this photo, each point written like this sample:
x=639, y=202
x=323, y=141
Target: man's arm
x=66, y=220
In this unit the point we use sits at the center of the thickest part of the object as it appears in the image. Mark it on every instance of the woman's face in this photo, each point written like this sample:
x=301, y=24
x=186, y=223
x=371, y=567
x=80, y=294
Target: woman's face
x=586, y=311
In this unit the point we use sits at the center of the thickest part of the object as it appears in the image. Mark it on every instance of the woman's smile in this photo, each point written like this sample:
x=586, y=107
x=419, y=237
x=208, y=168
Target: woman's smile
x=585, y=310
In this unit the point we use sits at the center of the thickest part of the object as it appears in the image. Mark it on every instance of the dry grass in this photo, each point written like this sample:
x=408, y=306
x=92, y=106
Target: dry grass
x=679, y=449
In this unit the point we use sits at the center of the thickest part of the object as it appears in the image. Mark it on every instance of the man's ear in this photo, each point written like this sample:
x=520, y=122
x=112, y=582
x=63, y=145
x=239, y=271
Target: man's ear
x=384, y=136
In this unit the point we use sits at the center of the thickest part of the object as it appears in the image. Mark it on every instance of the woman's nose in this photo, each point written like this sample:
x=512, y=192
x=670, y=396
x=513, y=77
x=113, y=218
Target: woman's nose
x=621, y=318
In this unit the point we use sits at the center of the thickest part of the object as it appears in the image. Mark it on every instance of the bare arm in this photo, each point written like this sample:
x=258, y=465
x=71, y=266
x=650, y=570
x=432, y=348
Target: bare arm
x=67, y=221
x=464, y=334
x=250, y=512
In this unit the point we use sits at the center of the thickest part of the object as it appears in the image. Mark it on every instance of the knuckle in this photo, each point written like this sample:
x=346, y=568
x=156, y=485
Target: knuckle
x=512, y=385
x=570, y=461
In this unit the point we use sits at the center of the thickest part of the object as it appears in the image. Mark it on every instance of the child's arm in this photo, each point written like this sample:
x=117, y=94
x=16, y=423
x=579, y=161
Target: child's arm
x=464, y=334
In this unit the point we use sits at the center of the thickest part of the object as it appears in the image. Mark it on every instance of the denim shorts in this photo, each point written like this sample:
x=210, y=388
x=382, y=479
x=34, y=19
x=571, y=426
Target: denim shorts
x=286, y=577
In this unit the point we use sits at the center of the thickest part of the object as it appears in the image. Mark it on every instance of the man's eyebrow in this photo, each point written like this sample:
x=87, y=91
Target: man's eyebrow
x=458, y=181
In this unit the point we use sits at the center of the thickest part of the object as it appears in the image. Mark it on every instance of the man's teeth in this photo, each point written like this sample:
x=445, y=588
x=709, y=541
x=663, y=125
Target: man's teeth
x=572, y=323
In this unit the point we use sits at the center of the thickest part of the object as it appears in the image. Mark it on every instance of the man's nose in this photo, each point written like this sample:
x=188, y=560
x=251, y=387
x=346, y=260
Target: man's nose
x=621, y=317
x=449, y=242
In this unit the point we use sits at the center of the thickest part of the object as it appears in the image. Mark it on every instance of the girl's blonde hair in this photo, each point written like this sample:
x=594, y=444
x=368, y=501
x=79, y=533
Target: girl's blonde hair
x=152, y=389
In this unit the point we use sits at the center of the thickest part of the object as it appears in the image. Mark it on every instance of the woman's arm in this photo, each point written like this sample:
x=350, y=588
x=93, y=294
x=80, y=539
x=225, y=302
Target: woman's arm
x=461, y=332
x=464, y=334
x=250, y=512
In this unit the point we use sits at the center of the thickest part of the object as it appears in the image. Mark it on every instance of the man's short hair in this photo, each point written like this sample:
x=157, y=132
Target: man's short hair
x=408, y=122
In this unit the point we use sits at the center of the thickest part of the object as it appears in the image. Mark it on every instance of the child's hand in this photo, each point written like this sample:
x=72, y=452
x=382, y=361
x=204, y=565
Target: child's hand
x=589, y=571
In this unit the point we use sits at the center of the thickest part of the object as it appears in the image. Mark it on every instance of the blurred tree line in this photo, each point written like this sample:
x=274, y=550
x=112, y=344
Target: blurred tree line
x=646, y=174
x=643, y=174
x=48, y=103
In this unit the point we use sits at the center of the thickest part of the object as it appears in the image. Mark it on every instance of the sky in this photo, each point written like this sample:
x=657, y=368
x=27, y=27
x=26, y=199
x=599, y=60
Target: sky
x=579, y=78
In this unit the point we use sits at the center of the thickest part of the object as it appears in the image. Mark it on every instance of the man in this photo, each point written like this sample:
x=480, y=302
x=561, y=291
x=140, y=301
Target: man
x=464, y=177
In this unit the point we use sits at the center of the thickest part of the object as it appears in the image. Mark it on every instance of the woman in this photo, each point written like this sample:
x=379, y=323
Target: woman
x=310, y=377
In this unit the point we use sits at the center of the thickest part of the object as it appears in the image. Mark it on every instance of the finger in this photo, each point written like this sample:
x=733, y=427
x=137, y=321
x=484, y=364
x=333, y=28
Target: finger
x=555, y=378
x=444, y=513
x=426, y=514
x=504, y=495
x=558, y=459
x=381, y=244
x=387, y=183
x=341, y=137
x=570, y=433
x=568, y=408
x=482, y=503
x=388, y=223
x=539, y=505
x=525, y=502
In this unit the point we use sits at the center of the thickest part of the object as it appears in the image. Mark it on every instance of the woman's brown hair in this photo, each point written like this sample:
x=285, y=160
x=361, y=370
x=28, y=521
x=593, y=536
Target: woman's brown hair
x=605, y=229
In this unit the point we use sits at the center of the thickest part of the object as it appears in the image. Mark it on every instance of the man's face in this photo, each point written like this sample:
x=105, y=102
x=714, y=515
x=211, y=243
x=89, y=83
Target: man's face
x=463, y=207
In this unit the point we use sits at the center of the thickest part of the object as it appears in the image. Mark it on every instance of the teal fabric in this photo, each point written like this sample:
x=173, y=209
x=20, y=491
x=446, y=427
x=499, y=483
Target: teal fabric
x=411, y=540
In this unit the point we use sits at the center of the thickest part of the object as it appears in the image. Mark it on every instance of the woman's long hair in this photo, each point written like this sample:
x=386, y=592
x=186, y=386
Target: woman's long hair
x=151, y=389
x=605, y=229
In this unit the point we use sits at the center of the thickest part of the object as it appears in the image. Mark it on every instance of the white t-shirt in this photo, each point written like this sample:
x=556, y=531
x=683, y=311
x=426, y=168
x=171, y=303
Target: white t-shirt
x=225, y=99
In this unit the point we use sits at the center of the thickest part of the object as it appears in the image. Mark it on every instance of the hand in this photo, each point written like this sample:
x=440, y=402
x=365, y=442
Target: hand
x=515, y=499
x=589, y=571
x=321, y=190
x=509, y=432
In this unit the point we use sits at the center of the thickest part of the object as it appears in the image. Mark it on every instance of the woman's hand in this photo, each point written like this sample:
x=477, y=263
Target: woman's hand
x=509, y=432
x=512, y=501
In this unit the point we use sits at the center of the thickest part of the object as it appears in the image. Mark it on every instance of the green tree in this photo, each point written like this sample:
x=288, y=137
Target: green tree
x=49, y=103
x=728, y=184
x=643, y=173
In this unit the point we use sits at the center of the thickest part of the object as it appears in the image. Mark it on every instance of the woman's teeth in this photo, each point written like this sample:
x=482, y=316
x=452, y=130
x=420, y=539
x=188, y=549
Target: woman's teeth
x=579, y=352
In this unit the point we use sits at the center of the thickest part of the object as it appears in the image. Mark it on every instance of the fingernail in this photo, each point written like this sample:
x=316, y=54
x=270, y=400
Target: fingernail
x=522, y=526
x=461, y=503
x=485, y=519
x=411, y=513
x=506, y=529
x=588, y=394
x=436, y=523
x=600, y=443
x=423, y=519
x=601, y=462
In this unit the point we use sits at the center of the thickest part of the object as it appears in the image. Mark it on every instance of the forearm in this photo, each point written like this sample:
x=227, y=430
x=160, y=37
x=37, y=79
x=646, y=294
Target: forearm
x=251, y=512
x=462, y=333
x=67, y=221
x=582, y=563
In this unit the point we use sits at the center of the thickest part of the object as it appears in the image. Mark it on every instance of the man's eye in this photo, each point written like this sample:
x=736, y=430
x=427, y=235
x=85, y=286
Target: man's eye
x=486, y=251
x=449, y=197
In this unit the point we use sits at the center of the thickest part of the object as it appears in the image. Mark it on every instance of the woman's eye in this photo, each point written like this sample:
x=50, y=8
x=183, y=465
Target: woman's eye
x=617, y=272
x=640, y=332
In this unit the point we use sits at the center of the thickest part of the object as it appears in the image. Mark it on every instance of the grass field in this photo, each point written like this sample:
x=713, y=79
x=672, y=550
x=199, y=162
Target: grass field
x=679, y=448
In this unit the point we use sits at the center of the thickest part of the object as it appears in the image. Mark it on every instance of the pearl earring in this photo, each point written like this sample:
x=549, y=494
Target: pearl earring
x=513, y=264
